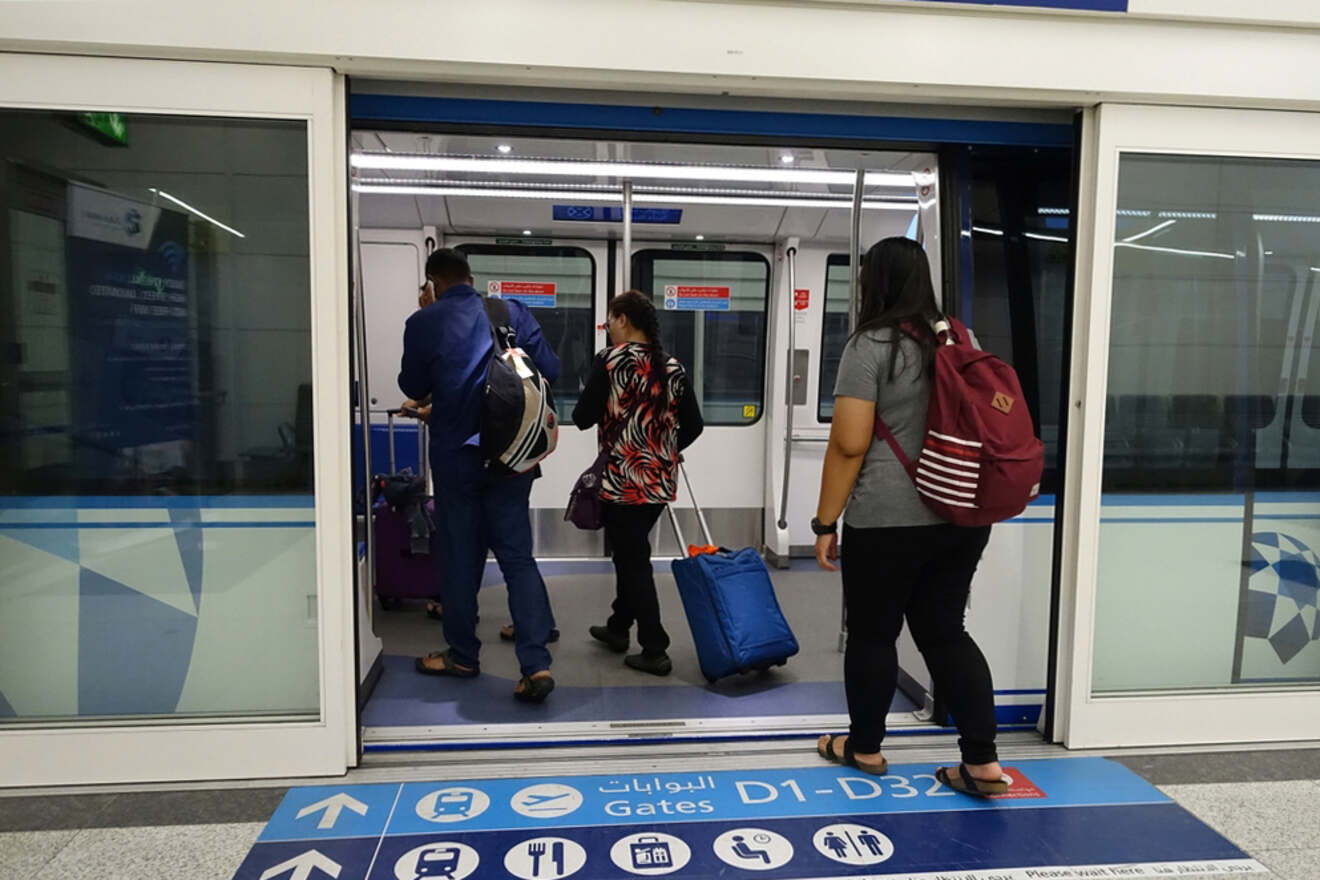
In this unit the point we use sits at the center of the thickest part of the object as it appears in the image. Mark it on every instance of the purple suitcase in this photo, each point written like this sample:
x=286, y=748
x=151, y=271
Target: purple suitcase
x=400, y=574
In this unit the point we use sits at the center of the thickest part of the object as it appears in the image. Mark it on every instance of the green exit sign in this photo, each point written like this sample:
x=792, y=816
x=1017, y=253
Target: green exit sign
x=109, y=127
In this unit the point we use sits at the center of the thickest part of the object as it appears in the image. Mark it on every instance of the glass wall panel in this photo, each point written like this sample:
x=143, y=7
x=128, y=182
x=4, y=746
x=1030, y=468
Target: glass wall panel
x=157, y=549
x=558, y=284
x=1208, y=566
x=713, y=320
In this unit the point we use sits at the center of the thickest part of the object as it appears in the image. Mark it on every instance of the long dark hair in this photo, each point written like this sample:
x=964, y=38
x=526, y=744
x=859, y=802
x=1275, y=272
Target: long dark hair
x=640, y=312
x=897, y=294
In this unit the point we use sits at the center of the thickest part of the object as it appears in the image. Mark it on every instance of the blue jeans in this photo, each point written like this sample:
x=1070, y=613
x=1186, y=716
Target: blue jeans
x=479, y=512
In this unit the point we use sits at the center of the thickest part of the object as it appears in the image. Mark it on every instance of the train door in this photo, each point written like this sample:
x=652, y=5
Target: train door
x=749, y=253
x=1195, y=603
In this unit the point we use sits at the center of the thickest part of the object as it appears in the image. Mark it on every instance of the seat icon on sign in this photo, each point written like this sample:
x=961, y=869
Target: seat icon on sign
x=452, y=805
x=853, y=844
x=753, y=849
x=548, y=800
x=650, y=854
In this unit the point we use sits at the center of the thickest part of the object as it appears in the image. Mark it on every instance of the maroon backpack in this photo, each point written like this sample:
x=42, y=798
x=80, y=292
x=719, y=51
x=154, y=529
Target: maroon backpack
x=980, y=461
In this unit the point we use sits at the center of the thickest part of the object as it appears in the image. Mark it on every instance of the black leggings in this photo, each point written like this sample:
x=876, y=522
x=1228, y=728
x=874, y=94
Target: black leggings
x=923, y=573
x=628, y=529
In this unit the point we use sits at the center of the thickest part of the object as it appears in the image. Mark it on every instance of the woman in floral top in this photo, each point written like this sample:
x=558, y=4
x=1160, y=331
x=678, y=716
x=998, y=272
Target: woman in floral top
x=643, y=405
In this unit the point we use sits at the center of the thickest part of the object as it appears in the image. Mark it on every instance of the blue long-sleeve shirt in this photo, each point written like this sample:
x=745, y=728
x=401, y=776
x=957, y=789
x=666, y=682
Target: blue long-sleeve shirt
x=446, y=350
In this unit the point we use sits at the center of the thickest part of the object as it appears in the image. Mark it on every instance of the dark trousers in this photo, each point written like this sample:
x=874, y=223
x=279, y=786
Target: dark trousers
x=628, y=529
x=479, y=513
x=922, y=573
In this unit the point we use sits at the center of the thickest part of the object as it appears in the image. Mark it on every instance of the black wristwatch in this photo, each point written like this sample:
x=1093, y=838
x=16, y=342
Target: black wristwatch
x=819, y=528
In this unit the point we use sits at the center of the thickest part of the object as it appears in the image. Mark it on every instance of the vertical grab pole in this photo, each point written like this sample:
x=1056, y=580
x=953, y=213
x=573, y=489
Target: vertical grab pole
x=364, y=395
x=854, y=302
x=627, y=235
x=790, y=257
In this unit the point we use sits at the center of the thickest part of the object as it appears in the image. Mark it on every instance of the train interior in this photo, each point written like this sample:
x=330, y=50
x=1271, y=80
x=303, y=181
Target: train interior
x=745, y=246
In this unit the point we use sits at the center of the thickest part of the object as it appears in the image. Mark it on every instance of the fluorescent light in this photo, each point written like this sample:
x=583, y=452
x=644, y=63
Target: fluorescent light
x=986, y=231
x=1190, y=215
x=1154, y=229
x=1285, y=218
x=1053, y=212
x=1164, y=250
x=187, y=207
x=1315, y=268
x=1040, y=237
x=505, y=148
x=576, y=168
x=527, y=232
x=787, y=158
x=782, y=201
x=701, y=238
x=1132, y=212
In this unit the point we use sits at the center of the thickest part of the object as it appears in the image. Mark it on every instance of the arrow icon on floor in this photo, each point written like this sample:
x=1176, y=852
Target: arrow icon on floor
x=303, y=865
x=333, y=806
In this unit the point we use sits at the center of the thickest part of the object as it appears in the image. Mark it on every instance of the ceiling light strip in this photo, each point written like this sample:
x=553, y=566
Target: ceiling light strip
x=187, y=207
x=631, y=170
x=1164, y=250
x=648, y=198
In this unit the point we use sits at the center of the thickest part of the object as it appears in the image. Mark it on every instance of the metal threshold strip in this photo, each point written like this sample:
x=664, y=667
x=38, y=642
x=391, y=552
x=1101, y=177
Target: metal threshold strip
x=467, y=737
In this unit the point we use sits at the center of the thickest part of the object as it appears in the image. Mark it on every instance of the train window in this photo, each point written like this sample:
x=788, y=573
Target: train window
x=558, y=284
x=1015, y=243
x=714, y=322
x=833, y=333
x=1211, y=326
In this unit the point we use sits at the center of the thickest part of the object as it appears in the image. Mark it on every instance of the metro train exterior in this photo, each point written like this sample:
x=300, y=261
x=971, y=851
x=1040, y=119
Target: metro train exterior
x=1121, y=196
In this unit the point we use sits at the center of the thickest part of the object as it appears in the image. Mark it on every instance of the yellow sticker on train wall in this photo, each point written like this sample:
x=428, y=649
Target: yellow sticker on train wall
x=749, y=411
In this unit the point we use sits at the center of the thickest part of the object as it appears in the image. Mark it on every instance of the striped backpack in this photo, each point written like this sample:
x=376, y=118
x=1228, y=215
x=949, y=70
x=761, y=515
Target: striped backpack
x=980, y=461
x=518, y=423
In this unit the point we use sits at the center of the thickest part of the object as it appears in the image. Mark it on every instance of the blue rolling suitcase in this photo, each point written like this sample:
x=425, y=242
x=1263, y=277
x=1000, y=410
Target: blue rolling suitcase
x=731, y=608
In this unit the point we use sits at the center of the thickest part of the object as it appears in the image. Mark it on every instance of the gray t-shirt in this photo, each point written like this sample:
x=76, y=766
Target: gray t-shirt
x=884, y=495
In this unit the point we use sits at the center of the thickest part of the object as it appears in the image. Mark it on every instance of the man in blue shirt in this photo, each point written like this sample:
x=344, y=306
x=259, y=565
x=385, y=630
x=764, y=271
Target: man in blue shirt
x=447, y=347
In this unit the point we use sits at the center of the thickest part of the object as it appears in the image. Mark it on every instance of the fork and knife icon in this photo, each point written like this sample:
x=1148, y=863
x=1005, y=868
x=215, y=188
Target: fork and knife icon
x=537, y=850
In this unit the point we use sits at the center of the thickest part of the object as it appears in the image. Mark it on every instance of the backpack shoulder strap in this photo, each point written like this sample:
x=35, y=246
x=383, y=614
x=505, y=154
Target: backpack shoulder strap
x=501, y=322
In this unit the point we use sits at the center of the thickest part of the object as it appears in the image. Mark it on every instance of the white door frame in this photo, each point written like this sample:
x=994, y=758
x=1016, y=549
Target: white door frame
x=1084, y=721
x=140, y=752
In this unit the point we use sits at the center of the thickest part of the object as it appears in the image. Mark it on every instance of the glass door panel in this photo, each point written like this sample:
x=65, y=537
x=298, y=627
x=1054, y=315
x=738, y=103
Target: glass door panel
x=1203, y=607
x=163, y=531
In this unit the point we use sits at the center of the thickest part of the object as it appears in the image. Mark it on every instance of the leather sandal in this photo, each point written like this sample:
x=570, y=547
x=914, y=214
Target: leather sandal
x=968, y=784
x=452, y=668
x=534, y=689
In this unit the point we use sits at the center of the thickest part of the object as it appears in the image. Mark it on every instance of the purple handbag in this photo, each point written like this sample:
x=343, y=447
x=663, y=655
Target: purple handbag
x=584, y=505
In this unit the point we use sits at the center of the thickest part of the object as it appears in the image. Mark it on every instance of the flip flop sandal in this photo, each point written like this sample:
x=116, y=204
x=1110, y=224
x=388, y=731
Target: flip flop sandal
x=450, y=669
x=968, y=784
x=509, y=634
x=850, y=758
x=534, y=690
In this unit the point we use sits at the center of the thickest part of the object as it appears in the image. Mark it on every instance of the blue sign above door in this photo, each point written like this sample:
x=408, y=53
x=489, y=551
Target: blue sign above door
x=1085, y=5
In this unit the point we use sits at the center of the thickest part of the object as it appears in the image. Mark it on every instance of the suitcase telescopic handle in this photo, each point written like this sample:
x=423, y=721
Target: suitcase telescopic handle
x=701, y=516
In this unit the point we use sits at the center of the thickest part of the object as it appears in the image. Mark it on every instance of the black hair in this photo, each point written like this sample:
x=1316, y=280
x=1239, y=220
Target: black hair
x=447, y=267
x=897, y=294
x=640, y=312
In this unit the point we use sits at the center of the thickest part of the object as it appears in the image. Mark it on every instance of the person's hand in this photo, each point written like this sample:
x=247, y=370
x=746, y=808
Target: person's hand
x=426, y=295
x=827, y=551
x=415, y=410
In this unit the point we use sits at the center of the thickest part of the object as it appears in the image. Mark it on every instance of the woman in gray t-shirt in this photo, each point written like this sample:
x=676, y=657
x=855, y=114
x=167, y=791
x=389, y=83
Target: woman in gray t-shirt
x=899, y=558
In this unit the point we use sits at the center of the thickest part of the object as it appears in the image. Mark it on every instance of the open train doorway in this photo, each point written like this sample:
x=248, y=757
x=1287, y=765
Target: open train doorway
x=747, y=248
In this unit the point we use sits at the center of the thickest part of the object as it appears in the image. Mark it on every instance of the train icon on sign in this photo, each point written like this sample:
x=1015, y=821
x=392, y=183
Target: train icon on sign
x=493, y=288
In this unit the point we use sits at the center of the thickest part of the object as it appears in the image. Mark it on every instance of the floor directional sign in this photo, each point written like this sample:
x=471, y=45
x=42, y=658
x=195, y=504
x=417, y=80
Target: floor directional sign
x=331, y=807
x=1066, y=819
